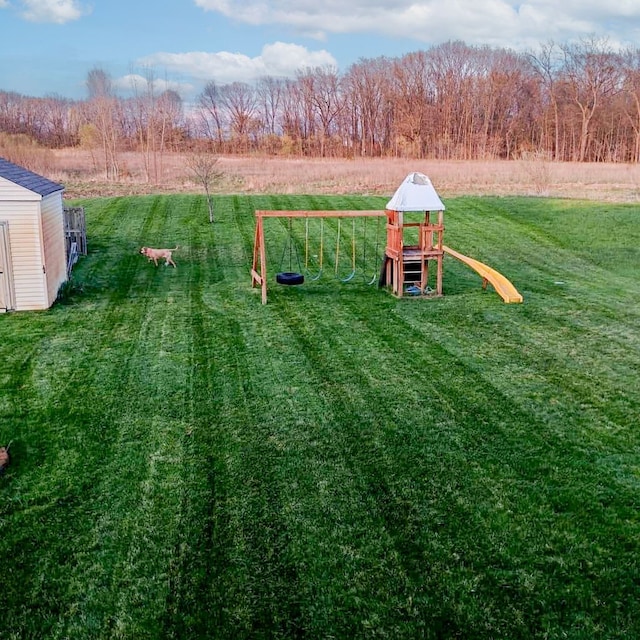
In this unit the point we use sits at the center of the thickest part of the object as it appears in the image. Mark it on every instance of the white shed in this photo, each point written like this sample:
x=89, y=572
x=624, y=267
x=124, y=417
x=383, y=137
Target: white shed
x=32, y=242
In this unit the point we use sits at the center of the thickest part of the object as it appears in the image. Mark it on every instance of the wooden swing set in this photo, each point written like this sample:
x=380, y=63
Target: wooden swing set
x=403, y=263
x=259, y=266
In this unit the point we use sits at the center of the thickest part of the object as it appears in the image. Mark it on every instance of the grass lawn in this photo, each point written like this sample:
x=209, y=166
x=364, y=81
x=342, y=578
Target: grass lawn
x=338, y=463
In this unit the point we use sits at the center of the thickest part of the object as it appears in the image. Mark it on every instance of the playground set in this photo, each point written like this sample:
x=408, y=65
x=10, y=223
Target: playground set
x=414, y=248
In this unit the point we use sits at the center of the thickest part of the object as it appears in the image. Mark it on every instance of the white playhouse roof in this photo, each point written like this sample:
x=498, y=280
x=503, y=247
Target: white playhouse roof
x=416, y=193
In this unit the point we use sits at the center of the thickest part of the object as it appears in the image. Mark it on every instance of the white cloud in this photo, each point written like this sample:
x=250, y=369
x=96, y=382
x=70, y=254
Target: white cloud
x=56, y=11
x=512, y=23
x=279, y=60
x=4, y=4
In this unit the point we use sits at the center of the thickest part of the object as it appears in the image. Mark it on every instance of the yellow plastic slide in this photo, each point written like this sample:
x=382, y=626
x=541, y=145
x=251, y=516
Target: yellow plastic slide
x=503, y=287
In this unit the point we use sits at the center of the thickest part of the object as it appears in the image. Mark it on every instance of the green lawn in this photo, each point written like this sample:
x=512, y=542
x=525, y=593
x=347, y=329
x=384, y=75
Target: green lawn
x=188, y=463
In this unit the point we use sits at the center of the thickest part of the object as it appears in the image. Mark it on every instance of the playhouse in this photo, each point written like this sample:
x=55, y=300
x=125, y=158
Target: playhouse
x=408, y=256
x=33, y=261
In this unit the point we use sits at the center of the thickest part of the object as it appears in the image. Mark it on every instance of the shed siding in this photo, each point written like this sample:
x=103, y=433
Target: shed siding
x=11, y=191
x=54, y=245
x=27, y=254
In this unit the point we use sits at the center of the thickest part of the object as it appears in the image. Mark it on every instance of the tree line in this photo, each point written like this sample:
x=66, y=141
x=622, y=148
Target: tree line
x=565, y=102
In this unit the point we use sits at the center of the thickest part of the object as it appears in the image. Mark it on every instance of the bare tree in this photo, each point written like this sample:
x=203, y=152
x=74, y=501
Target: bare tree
x=369, y=98
x=631, y=103
x=210, y=116
x=325, y=98
x=415, y=96
x=10, y=109
x=592, y=73
x=149, y=125
x=101, y=112
x=547, y=64
x=501, y=99
x=292, y=120
x=303, y=92
x=239, y=100
x=269, y=93
x=170, y=119
x=202, y=165
x=57, y=130
x=99, y=83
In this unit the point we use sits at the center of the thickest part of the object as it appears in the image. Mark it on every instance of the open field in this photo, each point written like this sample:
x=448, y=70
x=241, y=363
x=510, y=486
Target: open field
x=256, y=175
x=338, y=463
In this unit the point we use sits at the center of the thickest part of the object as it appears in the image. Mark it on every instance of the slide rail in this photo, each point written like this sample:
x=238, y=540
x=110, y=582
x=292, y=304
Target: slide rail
x=503, y=287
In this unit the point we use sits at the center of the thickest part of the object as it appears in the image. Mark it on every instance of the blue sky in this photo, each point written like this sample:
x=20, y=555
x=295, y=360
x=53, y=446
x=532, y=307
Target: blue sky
x=49, y=46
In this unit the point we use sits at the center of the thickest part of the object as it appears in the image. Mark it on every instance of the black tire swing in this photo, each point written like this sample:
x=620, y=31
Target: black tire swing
x=290, y=277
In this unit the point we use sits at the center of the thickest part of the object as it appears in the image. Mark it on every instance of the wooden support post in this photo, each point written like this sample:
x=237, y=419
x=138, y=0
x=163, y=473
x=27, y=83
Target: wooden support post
x=440, y=247
x=259, y=256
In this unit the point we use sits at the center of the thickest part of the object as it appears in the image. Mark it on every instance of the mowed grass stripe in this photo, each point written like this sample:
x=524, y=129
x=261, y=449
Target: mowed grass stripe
x=315, y=481
x=137, y=452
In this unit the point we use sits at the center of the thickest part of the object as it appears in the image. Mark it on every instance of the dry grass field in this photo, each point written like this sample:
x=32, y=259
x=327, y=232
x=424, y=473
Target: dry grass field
x=269, y=175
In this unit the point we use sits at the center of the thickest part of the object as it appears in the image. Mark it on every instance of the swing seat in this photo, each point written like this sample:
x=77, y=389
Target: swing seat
x=289, y=278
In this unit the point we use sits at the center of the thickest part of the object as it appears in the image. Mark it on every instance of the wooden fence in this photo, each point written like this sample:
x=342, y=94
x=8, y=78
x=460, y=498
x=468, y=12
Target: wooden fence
x=75, y=235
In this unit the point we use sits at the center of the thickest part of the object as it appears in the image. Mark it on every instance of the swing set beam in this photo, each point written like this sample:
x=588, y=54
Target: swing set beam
x=259, y=265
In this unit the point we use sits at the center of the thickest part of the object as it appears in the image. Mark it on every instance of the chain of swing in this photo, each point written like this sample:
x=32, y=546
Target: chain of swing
x=290, y=251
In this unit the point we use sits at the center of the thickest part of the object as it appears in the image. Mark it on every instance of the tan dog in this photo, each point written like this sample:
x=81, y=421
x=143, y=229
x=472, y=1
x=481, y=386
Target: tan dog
x=159, y=254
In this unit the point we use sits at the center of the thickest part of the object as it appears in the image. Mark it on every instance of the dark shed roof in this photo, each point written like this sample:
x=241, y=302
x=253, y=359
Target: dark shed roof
x=27, y=179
